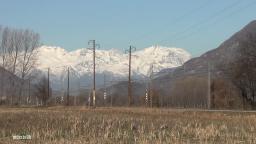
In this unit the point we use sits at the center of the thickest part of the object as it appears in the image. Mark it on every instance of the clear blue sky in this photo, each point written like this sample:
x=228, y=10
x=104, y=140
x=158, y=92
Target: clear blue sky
x=195, y=25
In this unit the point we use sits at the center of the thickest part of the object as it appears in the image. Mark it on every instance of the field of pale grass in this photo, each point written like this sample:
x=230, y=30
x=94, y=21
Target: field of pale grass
x=125, y=125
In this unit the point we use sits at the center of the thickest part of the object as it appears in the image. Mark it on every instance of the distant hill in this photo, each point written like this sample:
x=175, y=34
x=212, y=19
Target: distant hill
x=190, y=81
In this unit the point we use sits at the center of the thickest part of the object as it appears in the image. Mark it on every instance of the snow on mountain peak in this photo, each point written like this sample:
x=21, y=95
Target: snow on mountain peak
x=112, y=60
x=161, y=57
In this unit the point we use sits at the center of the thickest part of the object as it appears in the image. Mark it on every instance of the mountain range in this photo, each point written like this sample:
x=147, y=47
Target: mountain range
x=111, y=63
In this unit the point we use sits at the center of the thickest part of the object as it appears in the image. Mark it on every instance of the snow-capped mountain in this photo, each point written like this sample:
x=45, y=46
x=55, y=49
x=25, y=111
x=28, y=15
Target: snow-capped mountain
x=111, y=62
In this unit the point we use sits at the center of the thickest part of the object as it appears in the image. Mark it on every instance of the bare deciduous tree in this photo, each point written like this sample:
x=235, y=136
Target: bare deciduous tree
x=30, y=43
x=243, y=69
x=27, y=58
x=18, y=52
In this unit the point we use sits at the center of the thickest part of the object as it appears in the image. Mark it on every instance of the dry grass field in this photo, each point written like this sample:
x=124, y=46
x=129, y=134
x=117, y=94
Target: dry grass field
x=125, y=125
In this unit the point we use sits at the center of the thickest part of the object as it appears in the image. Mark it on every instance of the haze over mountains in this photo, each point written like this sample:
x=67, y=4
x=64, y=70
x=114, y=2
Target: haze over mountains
x=112, y=63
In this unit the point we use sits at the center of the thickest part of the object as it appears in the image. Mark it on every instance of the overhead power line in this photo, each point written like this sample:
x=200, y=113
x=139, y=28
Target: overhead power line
x=196, y=30
x=178, y=19
x=198, y=24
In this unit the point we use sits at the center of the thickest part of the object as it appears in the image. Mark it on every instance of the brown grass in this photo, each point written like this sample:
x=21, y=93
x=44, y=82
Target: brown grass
x=125, y=125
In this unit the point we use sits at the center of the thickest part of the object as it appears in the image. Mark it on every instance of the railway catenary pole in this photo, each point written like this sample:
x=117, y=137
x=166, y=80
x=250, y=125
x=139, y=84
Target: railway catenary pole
x=94, y=77
x=48, y=89
x=209, y=87
x=130, y=98
x=68, y=89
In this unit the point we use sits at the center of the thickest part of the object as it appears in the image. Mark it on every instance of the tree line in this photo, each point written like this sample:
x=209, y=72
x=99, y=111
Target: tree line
x=243, y=69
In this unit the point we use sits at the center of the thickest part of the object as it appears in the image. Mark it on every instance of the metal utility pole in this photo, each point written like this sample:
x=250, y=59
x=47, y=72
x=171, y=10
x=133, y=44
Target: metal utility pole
x=75, y=101
x=94, y=86
x=209, y=87
x=130, y=85
x=151, y=85
x=129, y=77
x=94, y=83
x=146, y=97
x=68, y=89
x=111, y=99
x=105, y=91
x=48, y=83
